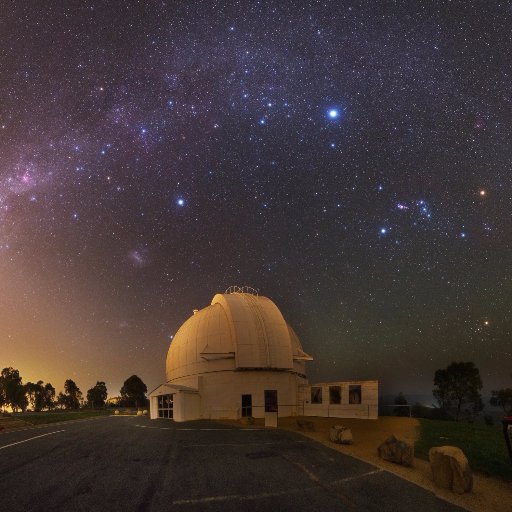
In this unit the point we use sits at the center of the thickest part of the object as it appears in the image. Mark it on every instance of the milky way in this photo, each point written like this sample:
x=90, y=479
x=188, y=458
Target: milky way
x=351, y=160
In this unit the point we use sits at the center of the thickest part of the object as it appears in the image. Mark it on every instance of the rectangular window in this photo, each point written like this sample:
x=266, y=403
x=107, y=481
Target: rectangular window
x=165, y=406
x=316, y=395
x=354, y=394
x=335, y=395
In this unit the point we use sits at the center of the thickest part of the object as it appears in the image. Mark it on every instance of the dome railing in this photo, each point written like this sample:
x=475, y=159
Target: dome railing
x=242, y=289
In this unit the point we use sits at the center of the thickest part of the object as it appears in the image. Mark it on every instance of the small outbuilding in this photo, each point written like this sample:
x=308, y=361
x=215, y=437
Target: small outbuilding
x=238, y=357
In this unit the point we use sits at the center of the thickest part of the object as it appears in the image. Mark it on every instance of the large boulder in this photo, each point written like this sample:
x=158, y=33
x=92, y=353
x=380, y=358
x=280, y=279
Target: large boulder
x=397, y=450
x=340, y=434
x=450, y=468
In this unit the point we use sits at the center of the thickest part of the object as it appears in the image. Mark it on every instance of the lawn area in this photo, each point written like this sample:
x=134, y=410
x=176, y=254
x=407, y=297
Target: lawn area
x=39, y=418
x=483, y=445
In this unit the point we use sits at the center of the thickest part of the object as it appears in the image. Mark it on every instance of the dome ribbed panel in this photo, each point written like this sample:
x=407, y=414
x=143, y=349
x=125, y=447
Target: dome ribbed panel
x=237, y=331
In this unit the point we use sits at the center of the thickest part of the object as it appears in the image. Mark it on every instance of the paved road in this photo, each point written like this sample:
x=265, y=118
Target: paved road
x=134, y=464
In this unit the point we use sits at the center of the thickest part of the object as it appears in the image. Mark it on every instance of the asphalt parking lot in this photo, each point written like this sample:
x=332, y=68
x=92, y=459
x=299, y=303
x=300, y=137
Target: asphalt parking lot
x=135, y=464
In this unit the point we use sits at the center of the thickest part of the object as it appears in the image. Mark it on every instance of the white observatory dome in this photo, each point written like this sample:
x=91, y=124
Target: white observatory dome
x=238, y=331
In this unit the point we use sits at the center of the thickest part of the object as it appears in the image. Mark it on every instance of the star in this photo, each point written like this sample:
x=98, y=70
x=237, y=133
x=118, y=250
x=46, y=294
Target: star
x=333, y=113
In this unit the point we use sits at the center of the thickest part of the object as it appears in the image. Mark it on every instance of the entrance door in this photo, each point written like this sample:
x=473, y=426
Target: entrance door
x=246, y=406
x=271, y=400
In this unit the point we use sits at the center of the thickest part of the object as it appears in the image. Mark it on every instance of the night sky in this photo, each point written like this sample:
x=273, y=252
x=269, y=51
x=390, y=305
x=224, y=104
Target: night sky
x=350, y=160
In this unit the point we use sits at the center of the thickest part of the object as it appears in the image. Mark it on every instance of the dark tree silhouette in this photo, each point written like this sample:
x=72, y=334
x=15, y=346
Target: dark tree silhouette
x=71, y=397
x=49, y=396
x=457, y=389
x=502, y=398
x=12, y=391
x=134, y=391
x=35, y=394
x=97, y=395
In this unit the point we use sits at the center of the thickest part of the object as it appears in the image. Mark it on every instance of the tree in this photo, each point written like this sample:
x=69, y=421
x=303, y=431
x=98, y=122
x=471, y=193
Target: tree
x=12, y=390
x=457, y=389
x=35, y=394
x=134, y=391
x=3, y=397
x=97, y=395
x=502, y=398
x=71, y=397
x=49, y=396
x=402, y=402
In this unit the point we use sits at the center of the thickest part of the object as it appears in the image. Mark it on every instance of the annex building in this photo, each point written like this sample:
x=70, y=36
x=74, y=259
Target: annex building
x=239, y=357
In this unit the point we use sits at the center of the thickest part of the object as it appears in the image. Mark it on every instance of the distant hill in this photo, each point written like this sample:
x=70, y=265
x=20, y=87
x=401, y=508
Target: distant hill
x=428, y=400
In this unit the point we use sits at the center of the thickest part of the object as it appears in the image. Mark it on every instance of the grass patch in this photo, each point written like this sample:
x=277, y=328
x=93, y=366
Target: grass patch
x=40, y=418
x=483, y=445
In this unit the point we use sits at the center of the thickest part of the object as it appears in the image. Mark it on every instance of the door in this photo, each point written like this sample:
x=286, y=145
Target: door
x=271, y=400
x=246, y=406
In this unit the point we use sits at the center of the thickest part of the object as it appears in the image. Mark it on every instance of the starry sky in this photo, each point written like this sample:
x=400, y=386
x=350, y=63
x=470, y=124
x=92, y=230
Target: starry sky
x=350, y=160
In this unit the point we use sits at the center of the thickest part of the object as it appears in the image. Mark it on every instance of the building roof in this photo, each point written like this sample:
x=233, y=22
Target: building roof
x=237, y=331
x=167, y=389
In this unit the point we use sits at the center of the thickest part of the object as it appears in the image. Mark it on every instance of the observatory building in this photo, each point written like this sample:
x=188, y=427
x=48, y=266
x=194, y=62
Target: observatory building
x=239, y=357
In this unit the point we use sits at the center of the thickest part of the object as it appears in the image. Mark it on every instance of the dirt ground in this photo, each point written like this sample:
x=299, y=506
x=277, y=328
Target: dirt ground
x=488, y=495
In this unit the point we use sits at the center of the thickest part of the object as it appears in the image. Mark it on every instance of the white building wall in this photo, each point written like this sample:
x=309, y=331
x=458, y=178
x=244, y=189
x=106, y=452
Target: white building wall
x=367, y=409
x=221, y=393
x=189, y=407
x=153, y=407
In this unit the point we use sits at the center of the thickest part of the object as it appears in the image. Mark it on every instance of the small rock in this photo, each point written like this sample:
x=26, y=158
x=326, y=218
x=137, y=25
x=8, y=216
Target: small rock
x=450, y=468
x=397, y=450
x=340, y=434
x=306, y=425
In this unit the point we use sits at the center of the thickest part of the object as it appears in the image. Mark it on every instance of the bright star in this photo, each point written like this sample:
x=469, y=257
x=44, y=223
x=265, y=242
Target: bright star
x=333, y=113
x=180, y=202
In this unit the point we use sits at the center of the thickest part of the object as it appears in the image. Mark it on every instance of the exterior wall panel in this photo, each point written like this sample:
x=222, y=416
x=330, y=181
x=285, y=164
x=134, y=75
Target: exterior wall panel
x=368, y=408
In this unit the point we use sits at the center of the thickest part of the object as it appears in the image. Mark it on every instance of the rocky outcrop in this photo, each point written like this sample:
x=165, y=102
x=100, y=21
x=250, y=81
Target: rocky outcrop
x=340, y=434
x=397, y=451
x=450, y=468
